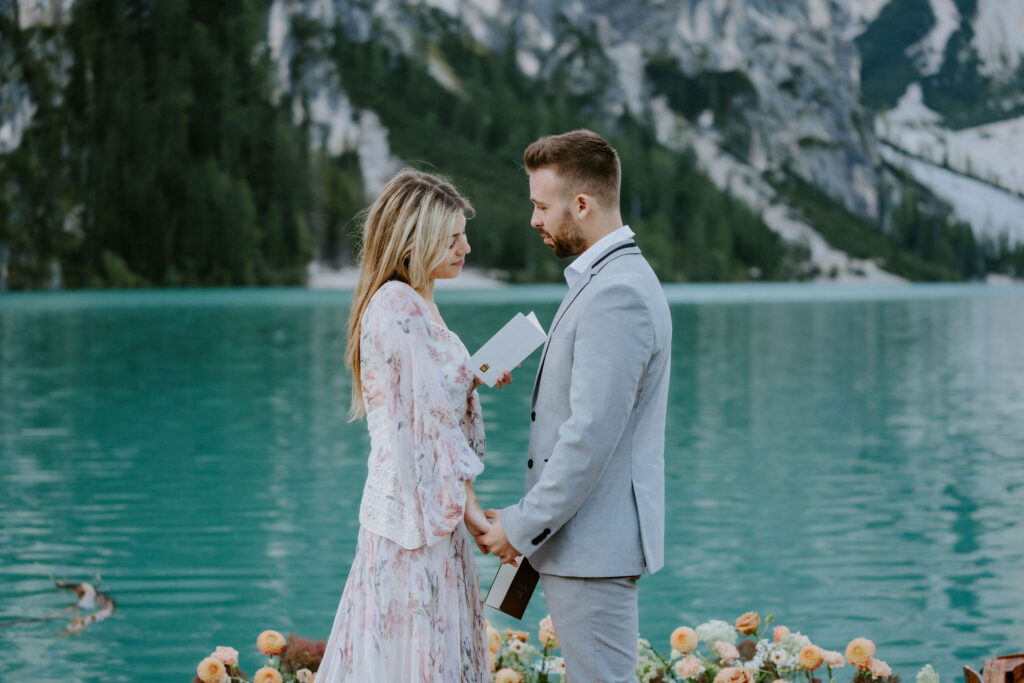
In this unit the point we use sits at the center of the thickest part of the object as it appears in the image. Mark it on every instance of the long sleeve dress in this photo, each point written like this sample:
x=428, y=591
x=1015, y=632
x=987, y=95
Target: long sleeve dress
x=411, y=610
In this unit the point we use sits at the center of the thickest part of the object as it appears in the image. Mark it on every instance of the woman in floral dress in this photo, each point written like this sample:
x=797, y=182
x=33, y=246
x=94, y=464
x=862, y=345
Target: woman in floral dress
x=411, y=610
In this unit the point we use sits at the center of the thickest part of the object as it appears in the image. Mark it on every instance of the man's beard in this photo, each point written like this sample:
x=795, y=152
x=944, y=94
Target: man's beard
x=569, y=240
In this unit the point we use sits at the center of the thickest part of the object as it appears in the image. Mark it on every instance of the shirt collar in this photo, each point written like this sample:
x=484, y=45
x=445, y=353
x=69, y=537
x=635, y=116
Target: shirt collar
x=583, y=262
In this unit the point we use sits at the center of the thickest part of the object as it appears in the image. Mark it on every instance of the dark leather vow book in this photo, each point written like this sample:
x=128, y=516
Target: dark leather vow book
x=512, y=587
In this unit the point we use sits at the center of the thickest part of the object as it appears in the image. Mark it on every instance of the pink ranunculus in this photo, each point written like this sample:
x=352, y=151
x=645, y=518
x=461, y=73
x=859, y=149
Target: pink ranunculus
x=726, y=651
x=228, y=655
x=878, y=668
x=779, y=633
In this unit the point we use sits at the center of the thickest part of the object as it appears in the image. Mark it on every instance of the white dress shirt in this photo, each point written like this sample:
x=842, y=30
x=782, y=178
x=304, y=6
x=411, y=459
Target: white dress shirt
x=583, y=262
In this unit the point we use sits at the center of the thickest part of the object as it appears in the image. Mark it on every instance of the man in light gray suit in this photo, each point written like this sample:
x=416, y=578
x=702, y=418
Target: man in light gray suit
x=593, y=516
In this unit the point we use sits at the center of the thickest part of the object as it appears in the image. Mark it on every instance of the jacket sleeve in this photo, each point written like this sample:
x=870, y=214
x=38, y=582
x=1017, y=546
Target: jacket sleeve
x=613, y=344
x=432, y=454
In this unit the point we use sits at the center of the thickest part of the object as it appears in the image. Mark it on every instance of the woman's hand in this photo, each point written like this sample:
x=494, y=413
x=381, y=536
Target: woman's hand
x=502, y=381
x=476, y=521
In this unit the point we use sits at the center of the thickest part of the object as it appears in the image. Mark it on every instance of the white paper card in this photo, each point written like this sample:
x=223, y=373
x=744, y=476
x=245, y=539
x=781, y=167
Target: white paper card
x=508, y=348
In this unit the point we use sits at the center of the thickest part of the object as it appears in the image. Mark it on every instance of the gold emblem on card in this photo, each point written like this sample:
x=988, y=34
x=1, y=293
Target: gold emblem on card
x=485, y=367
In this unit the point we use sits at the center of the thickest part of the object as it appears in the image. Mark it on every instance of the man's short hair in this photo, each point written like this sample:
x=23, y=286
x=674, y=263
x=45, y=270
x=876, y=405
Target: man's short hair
x=583, y=159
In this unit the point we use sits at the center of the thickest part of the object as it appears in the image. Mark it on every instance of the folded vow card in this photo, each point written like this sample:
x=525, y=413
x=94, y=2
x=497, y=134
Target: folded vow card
x=514, y=342
x=512, y=587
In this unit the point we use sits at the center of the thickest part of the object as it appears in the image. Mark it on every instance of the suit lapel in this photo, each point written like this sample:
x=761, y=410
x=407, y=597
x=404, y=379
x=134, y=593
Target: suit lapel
x=573, y=294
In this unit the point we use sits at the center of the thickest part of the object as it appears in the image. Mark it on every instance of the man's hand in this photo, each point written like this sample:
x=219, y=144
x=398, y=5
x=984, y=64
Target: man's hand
x=496, y=542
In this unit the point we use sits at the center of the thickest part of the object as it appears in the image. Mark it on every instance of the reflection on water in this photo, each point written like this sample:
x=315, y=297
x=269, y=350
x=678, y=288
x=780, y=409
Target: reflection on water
x=846, y=459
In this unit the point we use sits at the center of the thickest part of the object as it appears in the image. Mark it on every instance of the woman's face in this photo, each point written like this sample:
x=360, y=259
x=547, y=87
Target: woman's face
x=455, y=257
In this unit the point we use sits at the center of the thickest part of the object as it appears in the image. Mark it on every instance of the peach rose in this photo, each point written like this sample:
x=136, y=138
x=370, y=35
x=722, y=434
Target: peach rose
x=492, y=663
x=508, y=676
x=726, y=651
x=779, y=633
x=748, y=623
x=834, y=659
x=521, y=636
x=733, y=674
x=493, y=640
x=228, y=655
x=879, y=669
x=690, y=667
x=684, y=640
x=305, y=676
x=780, y=680
x=211, y=670
x=271, y=643
x=811, y=657
x=267, y=675
x=859, y=652
x=547, y=633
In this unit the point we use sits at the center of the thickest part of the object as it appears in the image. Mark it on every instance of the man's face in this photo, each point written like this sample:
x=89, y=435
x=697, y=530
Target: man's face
x=553, y=216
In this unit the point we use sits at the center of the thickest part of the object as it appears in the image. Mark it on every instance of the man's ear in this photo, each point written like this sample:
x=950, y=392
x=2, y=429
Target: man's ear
x=582, y=204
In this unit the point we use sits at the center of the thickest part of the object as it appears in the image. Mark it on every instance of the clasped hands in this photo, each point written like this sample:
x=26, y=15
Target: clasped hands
x=489, y=534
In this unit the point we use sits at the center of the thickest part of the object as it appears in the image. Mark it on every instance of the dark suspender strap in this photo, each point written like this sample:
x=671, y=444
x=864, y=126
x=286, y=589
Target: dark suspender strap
x=627, y=245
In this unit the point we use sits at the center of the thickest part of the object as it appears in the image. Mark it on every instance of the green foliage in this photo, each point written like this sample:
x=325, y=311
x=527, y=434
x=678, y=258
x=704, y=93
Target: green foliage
x=690, y=230
x=886, y=70
x=166, y=144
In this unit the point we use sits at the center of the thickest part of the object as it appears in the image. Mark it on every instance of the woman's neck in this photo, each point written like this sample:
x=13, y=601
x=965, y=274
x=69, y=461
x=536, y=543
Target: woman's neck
x=428, y=292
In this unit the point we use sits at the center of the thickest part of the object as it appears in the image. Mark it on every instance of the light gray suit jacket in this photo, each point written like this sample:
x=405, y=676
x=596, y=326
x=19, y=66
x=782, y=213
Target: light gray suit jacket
x=595, y=483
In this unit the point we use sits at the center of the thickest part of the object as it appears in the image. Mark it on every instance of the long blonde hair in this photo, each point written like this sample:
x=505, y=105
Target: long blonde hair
x=405, y=236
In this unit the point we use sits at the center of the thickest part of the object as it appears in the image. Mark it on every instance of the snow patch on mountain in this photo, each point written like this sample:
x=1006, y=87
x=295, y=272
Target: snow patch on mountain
x=930, y=51
x=999, y=36
x=993, y=153
x=863, y=12
x=992, y=212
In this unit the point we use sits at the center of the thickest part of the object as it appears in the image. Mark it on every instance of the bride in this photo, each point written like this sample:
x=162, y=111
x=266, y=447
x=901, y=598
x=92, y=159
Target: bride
x=411, y=609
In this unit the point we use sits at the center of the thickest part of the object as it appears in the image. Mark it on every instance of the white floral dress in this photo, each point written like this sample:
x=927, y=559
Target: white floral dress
x=411, y=611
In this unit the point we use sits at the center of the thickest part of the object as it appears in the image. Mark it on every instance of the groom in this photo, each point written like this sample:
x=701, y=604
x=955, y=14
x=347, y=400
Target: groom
x=593, y=517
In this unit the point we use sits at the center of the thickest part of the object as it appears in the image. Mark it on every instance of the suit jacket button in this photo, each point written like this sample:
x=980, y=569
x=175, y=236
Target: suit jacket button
x=529, y=463
x=533, y=416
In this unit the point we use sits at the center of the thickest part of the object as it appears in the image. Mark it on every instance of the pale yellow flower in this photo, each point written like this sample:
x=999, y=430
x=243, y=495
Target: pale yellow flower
x=684, y=639
x=493, y=640
x=271, y=643
x=228, y=655
x=267, y=675
x=859, y=652
x=305, y=676
x=211, y=670
x=748, y=623
x=811, y=657
x=547, y=633
x=508, y=676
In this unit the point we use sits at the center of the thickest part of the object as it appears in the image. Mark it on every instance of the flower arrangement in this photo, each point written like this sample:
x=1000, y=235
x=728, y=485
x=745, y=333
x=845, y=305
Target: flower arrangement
x=514, y=659
x=742, y=653
x=713, y=652
x=291, y=661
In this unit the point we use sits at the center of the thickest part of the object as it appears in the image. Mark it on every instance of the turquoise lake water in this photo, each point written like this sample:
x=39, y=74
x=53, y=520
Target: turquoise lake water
x=850, y=460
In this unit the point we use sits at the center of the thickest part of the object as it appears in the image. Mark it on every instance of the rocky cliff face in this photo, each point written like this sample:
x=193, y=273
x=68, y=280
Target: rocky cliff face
x=775, y=86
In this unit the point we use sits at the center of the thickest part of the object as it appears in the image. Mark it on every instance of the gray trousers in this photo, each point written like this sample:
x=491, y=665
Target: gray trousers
x=597, y=624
